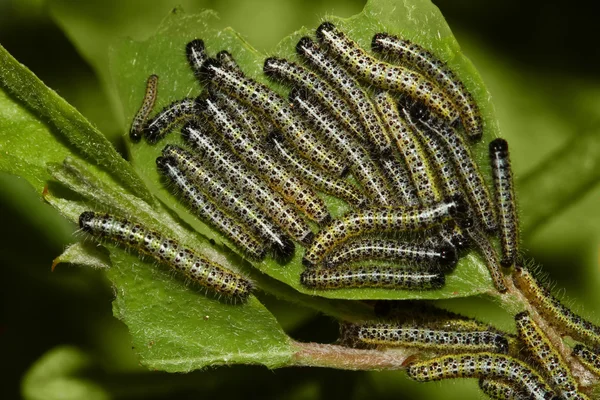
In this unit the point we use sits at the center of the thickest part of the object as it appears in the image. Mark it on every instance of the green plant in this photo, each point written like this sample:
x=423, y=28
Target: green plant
x=72, y=152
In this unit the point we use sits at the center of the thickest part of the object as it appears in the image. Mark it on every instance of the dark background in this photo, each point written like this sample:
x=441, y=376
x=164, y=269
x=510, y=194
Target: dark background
x=538, y=58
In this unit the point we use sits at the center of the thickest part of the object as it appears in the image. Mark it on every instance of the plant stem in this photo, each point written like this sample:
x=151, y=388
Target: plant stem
x=513, y=299
x=340, y=357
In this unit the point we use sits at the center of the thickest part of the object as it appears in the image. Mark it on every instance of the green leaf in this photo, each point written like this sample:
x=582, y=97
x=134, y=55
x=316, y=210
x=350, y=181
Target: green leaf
x=164, y=54
x=174, y=326
x=57, y=375
x=38, y=126
x=84, y=254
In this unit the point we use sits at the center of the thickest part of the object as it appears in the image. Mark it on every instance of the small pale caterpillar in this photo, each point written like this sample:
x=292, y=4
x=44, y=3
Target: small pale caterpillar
x=316, y=177
x=264, y=100
x=414, y=156
x=303, y=79
x=554, y=311
x=400, y=181
x=407, y=335
x=343, y=277
x=137, y=126
x=363, y=168
x=506, y=202
x=393, y=250
x=232, y=169
x=381, y=220
x=208, y=211
x=413, y=55
x=468, y=170
x=170, y=116
x=551, y=363
x=350, y=88
x=483, y=365
x=256, y=156
x=491, y=257
x=384, y=75
x=168, y=251
x=498, y=389
x=589, y=358
x=231, y=200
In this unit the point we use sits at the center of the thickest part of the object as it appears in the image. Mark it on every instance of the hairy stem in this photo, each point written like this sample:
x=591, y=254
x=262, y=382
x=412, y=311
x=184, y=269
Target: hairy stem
x=514, y=300
x=340, y=357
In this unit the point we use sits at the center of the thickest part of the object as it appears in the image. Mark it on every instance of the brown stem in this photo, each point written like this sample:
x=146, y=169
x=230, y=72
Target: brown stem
x=514, y=297
x=340, y=357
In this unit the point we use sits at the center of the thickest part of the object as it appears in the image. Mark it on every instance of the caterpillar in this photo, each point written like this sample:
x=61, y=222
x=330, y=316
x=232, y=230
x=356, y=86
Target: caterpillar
x=380, y=220
x=232, y=169
x=363, y=168
x=264, y=100
x=350, y=88
x=474, y=184
x=439, y=157
x=554, y=311
x=248, y=121
x=491, y=257
x=453, y=235
x=505, y=201
x=196, y=55
x=408, y=335
x=137, y=126
x=208, y=211
x=498, y=389
x=428, y=316
x=400, y=181
x=483, y=365
x=343, y=277
x=349, y=337
x=170, y=116
x=264, y=163
x=589, y=358
x=303, y=79
x=418, y=165
x=393, y=250
x=435, y=69
x=231, y=200
x=549, y=359
x=316, y=177
x=167, y=251
x=384, y=75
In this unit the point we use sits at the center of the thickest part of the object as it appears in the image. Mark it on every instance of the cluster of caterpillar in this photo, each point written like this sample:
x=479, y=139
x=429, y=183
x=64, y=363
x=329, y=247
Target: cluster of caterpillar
x=396, y=154
x=388, y=133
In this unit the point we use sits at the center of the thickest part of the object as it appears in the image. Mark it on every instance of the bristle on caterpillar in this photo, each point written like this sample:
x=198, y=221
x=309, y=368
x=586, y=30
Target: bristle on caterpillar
x=232, y=169
x=383, y=75
x=413, y=55
x=483, y=365
x=506, y=203
x=380, y=220
x=551, y=363
x=167, y=251
x=343, y=277
x=266, y=101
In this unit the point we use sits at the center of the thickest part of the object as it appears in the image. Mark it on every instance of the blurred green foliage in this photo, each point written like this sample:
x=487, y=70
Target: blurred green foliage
x=538, y=60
